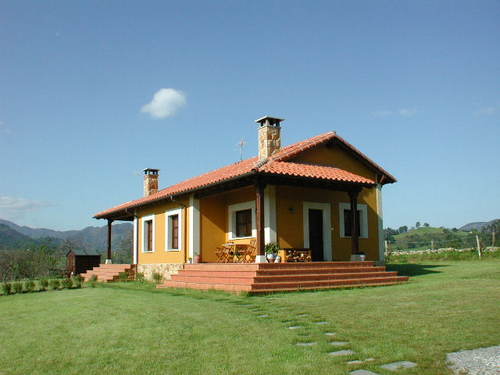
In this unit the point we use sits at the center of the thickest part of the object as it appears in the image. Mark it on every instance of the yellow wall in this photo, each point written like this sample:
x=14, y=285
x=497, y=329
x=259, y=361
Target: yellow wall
x=214, y=220
x=290, y=227
x=160, y=255
x=336, y=157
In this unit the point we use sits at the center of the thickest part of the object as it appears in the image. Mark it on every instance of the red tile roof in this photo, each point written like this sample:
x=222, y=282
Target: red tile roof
x=321, y=172
x=276, y=165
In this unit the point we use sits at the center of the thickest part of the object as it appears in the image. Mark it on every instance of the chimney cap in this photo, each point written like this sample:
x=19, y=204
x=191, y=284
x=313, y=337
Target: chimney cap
x=151, y=171
x=269, y=120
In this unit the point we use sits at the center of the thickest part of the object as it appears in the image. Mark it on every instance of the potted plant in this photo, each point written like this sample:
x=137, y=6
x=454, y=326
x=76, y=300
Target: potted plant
x=271, y=250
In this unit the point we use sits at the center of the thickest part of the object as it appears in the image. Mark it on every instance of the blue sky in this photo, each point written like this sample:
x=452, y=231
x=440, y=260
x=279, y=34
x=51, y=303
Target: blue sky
x=415, y=85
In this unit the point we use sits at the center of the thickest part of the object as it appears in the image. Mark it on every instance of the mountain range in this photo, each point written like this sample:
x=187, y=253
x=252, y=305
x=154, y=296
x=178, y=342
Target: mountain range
x=13, y=236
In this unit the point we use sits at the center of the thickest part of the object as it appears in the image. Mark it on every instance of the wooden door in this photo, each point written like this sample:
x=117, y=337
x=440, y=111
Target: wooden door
x=316, y=234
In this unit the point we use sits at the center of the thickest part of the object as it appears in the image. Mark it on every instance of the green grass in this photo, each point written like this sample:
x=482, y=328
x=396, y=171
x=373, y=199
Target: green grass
x=131, y=328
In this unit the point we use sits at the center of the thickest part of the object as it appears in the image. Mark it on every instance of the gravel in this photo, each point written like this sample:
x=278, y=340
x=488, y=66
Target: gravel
x=484, y=361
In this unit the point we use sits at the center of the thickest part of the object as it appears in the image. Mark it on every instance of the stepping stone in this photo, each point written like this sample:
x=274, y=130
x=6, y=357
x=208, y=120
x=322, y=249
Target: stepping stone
x=339, y=343
x=320, y=323
x=355, y=362
x=302, y=315
x=305, y=343
x=330, y=333
x=295, y=327
x=263, y=316
x=397, y=365
x=362, y=372
x=342, y=352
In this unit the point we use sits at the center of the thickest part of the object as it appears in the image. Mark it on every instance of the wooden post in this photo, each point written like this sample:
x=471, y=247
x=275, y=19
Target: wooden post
x=259, y=216
x=353, y=195
x=108, y=257
x=478, y=246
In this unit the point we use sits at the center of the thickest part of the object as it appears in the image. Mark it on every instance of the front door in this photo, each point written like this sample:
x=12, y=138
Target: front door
x=316, y=234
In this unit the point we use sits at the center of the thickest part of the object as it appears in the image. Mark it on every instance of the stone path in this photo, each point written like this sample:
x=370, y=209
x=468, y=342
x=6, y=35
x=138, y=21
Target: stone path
x=394, y=366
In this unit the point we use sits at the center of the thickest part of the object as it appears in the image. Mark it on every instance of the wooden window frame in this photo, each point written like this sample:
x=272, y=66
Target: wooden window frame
x=144, y=240
x=168, y=230
x=363, y=219
x=231, y=214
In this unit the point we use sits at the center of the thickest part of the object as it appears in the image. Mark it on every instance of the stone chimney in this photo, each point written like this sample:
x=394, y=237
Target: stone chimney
x=269, y=136
x=150, y=181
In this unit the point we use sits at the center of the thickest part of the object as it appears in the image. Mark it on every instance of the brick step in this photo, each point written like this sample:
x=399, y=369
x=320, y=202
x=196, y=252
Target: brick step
x=108, y=272
x=276, y=288
x=307, y=284
x=271, y=272
x=259, y=291
x=250, y=279
x=273, y=266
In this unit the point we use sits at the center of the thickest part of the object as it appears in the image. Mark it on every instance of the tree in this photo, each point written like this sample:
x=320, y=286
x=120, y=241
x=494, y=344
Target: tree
x=417, y=225
x=403, y=229
x=426, y=225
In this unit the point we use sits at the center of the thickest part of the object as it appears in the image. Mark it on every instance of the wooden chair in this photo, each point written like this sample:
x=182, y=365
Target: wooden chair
x=251, y=252
x=224, y=253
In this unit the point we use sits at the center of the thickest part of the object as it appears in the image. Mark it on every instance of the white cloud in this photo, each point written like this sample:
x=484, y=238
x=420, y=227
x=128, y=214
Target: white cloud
x=4, y=129
x=165, y=103
x=488, y=111
x=405, y=112
x=14, y=207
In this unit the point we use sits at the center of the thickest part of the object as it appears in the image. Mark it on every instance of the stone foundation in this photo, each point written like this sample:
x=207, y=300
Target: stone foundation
x=166, y=269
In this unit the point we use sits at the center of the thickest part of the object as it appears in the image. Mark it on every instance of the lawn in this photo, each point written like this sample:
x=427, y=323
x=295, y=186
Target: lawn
x=134, y=329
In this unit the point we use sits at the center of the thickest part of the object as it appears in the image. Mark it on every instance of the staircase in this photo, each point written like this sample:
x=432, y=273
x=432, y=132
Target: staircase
x=282, y=277
x=109, y=272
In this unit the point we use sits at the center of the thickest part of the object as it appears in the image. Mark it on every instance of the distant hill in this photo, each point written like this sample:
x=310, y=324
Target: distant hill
x=13, y=236
x=9, y=238
x=479, y=225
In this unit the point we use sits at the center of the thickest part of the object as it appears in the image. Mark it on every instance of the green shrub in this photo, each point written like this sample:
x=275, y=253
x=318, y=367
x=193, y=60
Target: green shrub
x=157, y=277
x=29, y=286
x=44, y=284
x=18, y=287
x=92, y=281
x=123, y=276
x=6, y=289
x=139, y=276
x=77, y=282
x=54, y=284
x=66, y=283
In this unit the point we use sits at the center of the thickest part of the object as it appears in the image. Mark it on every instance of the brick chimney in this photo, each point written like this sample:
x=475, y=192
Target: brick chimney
x=150, y=181
x=269, y=136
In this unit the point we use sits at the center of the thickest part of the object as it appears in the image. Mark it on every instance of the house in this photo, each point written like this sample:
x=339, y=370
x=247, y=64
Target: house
x=300, y=196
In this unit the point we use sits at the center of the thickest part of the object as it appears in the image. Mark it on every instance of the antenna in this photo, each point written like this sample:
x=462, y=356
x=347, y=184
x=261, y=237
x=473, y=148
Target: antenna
x=241, y=144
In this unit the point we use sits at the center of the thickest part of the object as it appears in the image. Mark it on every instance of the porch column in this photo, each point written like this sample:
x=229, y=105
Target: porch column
x=108, y=257
x=259, y=217
x=353, y=195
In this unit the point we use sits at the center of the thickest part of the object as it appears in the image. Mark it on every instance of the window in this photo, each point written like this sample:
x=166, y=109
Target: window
x=241, y=220
x=348, y=222
x=173, y=223
x=148, y=233
x=346, y=217
x=244, y=223
x=174, y=231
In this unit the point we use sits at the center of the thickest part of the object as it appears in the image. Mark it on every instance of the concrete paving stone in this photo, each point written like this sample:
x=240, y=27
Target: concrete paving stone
x=342, y=352
x=305, y=343
x=321, y=323
x=295, y=327
x=355, y=362
x=263, y=316
x=362, y=372
x=339, y=343
x=330, y=333
x=398, y=365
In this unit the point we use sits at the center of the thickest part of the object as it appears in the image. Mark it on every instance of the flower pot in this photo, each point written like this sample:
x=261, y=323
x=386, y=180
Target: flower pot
x=270, y=257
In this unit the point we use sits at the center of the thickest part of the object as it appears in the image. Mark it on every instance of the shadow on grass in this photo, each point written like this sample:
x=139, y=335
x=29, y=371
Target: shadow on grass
x=410, y=269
